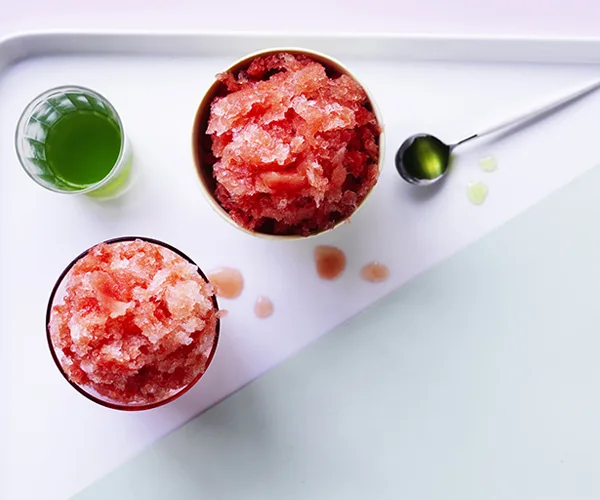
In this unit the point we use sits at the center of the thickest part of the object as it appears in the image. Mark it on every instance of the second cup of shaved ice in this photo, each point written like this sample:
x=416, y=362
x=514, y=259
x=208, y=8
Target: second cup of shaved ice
x=132, y=323
x=287, y=144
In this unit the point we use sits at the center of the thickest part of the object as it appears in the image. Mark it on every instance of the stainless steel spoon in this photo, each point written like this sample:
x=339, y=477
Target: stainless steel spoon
x=423, y=159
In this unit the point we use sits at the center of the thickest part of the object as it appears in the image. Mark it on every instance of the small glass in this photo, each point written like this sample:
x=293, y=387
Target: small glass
x=56, y=297
x=90, y=142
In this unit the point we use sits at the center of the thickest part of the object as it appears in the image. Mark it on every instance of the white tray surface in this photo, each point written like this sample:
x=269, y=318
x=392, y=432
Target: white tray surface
x=156, y=83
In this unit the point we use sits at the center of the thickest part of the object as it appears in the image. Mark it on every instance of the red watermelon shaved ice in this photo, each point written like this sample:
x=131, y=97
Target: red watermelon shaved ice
x=137, y=323
x=295, y=149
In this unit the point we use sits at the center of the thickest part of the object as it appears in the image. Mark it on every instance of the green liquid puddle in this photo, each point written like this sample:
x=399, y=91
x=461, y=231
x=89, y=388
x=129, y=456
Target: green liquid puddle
x=477, y=192
x=488, y=164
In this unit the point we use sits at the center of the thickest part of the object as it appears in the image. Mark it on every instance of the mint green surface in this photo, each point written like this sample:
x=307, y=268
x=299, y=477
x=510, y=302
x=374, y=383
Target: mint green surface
x=478, y=380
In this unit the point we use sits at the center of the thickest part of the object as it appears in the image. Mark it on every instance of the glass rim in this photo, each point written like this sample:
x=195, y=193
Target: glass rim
x=20, y=132
x=112, y=404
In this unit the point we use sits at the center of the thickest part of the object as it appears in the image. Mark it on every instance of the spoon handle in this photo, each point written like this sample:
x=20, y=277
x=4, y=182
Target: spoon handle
x=535, y=112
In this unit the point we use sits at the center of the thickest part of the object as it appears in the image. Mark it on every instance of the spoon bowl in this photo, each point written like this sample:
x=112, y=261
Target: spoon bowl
x=423, y=159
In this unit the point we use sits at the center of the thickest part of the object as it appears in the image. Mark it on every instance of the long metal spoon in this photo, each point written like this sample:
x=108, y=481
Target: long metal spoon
x=423, y=159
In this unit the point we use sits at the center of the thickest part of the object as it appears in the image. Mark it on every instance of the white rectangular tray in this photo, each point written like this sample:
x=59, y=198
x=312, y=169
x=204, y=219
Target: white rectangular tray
x=450, y=87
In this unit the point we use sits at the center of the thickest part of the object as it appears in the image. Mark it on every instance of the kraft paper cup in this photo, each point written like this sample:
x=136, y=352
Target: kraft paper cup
x=201, y=142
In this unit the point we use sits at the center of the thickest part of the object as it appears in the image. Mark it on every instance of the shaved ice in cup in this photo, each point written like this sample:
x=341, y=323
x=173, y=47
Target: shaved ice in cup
x=287, y=143
x=132, y=323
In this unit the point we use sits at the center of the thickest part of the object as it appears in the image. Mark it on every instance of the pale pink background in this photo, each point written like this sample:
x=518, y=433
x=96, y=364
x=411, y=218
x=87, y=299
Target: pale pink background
x=521, y=17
